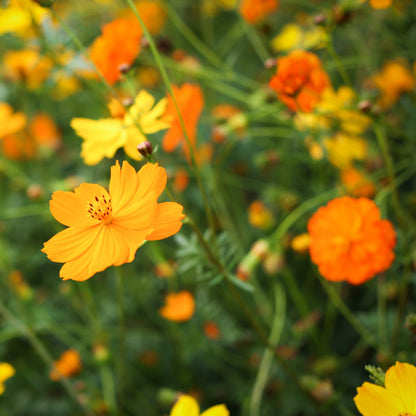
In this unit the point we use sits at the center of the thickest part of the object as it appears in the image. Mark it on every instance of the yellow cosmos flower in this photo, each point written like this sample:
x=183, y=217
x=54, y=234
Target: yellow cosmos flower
x=107, y=227
x=398, y=397
x=6, y=371
x=188, y=406
x=103, y=137
x=10, y=123
x=343, y=149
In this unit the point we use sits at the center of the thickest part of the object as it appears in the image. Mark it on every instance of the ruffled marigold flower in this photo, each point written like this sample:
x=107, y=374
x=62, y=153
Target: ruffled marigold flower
x=255, y=10
x=393, y=80
x=396, y=398
x=190, y=100
x=6, y=371
x=179, y=307
x=188, y=406
x=68, y=365
x=349, y=241
x=103, y=137
x=107, y=227
x=300, y=80
x=119, y=44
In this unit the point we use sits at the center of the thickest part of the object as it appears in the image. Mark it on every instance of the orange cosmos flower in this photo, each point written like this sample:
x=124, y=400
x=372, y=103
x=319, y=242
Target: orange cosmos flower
x=349, y=241
x=255, y=10
x=179, y=307
x=300, y=80
x=45, y=132
x=152, y=13
x=68, y=365
x=107, y=227
x=190, y=101
x=118, y=44
x=380, y=4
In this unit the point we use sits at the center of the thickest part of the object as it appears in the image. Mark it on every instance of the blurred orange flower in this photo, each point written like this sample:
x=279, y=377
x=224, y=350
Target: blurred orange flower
x=349, y=241
x=179, y=307
x=380, y=4
x=107, y=228
x=255, y=10
x=259, y=215
x=300, y=80
x=394, y=79
x=68, y=365
x=152, y=14
x=45, y=132
x=211, y=330
x=190, y=100
x=356, y=183
x=119, y=44
x=10, y=122
x=181, y=180
x=18, y=146
x=26, y=66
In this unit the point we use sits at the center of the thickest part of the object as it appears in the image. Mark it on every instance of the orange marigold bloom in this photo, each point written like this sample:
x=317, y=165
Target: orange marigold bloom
x=349, y=241
x=255, y=10
x=179, y=307
x=300, y=80
x=190, y=100
x=118, y=44
x=68, y=365
x=107, y=227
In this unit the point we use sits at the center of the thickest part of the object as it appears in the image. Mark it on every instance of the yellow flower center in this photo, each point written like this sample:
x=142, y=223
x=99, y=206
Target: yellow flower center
x=100, y=209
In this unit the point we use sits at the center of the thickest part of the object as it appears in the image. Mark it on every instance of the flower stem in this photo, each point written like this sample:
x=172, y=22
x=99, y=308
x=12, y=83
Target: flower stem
x=121, y=327
x=43, y=354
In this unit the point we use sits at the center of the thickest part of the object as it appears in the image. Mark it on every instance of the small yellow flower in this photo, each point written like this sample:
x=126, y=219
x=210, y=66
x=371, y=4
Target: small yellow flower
x=188, y=406
x=396, y=398
x=103, y=137
x=343, y=149
x=10, y=123
x=6, y=371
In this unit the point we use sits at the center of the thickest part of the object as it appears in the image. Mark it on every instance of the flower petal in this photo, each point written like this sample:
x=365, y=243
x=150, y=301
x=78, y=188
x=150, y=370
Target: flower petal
x=373, y=400
x=401, y=380
x=151, y=177
x=102, y=137
x=185, y=406
x=218, y=410
x=168, y=222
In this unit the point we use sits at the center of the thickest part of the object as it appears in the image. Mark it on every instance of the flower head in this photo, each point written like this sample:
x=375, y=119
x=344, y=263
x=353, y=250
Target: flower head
x=349, y=241
x=10, y=122
x=105, y=228
x=380, y=4
x=300, y=80
x=188, y=406
x=398, y=397
x=68, y=365
x=179, y=306
x=103, y=137
x=255, y=10
x=190, y=100
x=119, y=44
x=6, y=371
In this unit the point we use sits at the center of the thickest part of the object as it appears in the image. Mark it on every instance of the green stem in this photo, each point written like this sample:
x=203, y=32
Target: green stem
x=267, y=359
x=340, y=67
x=121, y=325
x=43, y=354
x=168, y=85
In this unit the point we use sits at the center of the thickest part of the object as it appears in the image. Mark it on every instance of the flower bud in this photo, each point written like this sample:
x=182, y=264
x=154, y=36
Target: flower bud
x=145, y=148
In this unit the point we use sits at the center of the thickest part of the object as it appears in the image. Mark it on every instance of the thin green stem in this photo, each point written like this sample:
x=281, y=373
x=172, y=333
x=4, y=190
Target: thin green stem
x=268, y=355
x=121, y=325
x=340, y=67
x=43, y=354
x=168, y=86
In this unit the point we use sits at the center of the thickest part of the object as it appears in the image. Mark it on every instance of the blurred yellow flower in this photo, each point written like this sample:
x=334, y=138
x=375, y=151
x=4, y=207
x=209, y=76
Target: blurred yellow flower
x=301, y=242
x=19, y=17
x=380, y=4
x=103, y=137
x=188, y=406
x=259, y=215
x=394, y=79
x=293, y=36
x=6, y=371
x=396, y=398
x=179, y=307
x=10, y=122
x=26, y=66
x=343, y=149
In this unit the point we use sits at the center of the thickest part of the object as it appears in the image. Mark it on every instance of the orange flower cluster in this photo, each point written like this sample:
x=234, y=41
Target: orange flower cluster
x=300, y=80
x=190, y=100
x=68, y=365
x=349, y=241
x=179, y=306
x=119, y=44
x=255, y=10
x=107, y=227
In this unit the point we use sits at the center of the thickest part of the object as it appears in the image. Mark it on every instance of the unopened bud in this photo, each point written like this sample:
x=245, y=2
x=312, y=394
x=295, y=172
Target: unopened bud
x=270, y=63
x=319, y=19
x=124, y=68
x=100, y=353
x=145, y=148
x=127, y=102
x=365, y=106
